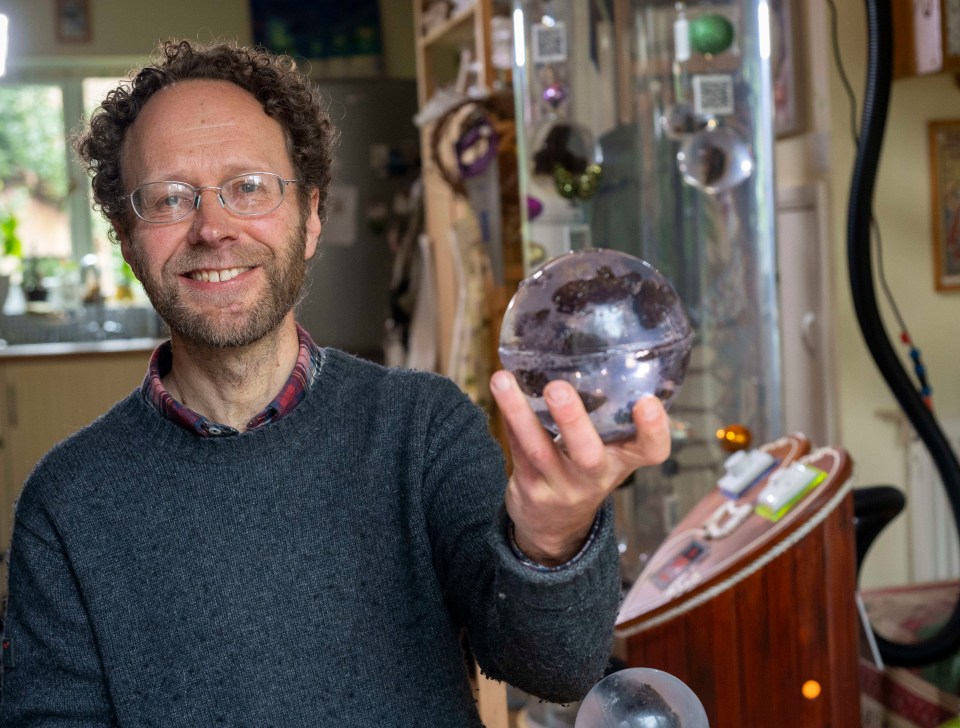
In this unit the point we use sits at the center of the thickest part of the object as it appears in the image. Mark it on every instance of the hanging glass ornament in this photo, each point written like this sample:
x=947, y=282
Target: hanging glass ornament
x=554, y=94
x=680, y=121
x=568, y=156
x=577, y=186
x=715, y=161
x=711, y=33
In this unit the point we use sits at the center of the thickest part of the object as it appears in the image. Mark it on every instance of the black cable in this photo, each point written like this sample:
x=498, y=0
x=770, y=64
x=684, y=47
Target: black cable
x=946, y=640
x=905, y=336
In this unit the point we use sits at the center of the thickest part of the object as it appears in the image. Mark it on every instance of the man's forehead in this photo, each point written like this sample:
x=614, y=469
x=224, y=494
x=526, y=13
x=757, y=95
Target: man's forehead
x=200, y=116
x=223, y=97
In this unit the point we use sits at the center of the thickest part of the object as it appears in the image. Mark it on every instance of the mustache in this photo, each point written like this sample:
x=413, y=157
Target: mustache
x=205, y=259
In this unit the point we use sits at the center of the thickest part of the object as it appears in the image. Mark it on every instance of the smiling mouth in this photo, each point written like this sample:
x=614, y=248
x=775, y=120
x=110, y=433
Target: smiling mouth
x=220, y=275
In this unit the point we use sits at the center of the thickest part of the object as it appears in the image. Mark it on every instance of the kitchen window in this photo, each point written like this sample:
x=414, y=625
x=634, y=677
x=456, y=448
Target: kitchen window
x=45, y=198
x=61, y=279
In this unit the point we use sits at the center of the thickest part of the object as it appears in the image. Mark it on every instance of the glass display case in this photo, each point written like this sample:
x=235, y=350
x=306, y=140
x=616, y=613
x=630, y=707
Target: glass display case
x=647, y=127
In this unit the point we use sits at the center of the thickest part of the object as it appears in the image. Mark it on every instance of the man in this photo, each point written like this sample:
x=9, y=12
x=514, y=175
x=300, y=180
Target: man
x=272, y=533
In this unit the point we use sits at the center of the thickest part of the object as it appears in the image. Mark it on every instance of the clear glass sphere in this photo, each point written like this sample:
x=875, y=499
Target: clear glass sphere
x=715, y=160
x=680, y=121
x=605, y=321
x=641, y=697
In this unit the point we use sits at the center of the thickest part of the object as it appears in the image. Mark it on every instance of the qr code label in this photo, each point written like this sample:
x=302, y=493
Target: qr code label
x=549, y=43
x=713, y=94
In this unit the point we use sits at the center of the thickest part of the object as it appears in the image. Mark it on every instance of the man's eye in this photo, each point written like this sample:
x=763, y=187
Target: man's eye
x=164, y=202
x=248, y=187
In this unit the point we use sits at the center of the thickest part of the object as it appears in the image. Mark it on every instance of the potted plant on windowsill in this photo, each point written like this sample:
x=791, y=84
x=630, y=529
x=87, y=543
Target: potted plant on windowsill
x=10, y=260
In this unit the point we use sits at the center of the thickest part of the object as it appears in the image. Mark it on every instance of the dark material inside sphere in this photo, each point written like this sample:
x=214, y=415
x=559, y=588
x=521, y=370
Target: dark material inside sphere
x=651, y=300
x=647, y=708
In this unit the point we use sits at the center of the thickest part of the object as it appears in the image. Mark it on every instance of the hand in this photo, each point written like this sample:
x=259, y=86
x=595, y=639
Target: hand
x=554, y=492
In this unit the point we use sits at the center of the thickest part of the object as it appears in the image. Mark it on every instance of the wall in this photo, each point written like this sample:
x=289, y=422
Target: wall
x=131, y=28
x=122, y=27
x=868, y=421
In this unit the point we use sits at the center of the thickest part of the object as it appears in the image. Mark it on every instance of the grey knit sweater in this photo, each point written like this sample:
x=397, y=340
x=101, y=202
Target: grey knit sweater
x=317, y=571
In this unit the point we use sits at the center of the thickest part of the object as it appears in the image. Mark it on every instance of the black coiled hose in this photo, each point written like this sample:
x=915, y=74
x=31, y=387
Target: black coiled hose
x=946, y=641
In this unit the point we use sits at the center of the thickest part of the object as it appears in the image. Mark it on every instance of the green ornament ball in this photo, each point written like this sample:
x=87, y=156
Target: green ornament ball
x=711, y=33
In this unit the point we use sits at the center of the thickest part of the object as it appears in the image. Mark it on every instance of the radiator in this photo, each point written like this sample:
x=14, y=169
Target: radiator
x=936, y=548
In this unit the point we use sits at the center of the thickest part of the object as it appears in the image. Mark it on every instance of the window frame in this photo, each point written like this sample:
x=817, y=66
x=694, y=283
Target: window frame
x=68, y=73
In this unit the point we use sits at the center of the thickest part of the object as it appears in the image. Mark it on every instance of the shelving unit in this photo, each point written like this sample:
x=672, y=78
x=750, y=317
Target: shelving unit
x=439, y=50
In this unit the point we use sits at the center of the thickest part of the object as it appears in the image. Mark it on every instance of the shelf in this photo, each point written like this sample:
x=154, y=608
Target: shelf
x=455, y=31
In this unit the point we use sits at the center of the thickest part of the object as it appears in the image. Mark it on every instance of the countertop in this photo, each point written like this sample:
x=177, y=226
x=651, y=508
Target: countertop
x=72, y=348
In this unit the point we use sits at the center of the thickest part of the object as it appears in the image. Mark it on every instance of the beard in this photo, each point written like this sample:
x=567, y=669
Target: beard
x=285, y=272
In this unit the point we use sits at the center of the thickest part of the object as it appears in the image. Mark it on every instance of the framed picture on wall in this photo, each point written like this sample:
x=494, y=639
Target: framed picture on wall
x=73, y=21
x=785, y=43
x=944, y=142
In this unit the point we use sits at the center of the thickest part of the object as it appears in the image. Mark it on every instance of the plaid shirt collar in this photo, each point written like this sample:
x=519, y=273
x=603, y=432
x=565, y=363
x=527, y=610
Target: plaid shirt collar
x=297, y=385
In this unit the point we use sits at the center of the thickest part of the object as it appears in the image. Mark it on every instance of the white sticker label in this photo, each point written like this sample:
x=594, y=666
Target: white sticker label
x=713, y=94
x=549, y=43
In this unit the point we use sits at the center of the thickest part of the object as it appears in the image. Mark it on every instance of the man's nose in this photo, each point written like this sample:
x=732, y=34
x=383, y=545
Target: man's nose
x=212, y=221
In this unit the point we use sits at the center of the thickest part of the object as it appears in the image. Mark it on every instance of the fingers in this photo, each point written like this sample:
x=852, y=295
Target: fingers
x=531, y=446
x=577, y=431
x=651, y=445
x=583, y=446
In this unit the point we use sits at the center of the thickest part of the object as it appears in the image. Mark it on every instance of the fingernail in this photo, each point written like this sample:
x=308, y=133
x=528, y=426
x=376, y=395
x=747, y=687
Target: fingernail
x=558, y=395
x=649, y=408
x=500, y=381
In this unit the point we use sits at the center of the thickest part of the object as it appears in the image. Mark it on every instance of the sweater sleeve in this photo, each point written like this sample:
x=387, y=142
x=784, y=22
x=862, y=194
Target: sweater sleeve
x=547, y=633
x=53, y=673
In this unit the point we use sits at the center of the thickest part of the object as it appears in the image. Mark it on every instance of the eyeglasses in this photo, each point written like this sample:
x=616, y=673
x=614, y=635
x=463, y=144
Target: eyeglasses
x=253, y=193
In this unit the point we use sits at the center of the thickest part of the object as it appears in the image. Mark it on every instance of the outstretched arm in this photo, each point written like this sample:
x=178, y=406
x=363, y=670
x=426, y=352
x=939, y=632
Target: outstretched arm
x=555, y=490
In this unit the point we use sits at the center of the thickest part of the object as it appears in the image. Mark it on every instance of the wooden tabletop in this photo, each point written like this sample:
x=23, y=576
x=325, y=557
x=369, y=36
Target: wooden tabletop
x=690, y=565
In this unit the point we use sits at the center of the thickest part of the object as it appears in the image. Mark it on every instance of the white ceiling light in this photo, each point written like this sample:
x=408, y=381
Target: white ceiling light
x=3, y=43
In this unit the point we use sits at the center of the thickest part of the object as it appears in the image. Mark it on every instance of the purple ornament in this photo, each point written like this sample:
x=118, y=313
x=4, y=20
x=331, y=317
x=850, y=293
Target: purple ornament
x=554, y=94
x=534, y=207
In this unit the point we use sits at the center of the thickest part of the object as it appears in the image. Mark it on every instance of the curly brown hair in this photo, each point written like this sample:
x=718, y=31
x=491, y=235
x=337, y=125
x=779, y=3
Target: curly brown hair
x=285, y=93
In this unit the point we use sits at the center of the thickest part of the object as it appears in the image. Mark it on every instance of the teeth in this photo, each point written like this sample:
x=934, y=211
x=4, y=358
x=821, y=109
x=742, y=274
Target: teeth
x=216, y=276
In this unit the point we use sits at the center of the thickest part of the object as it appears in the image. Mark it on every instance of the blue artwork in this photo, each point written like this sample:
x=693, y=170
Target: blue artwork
x=319, y=29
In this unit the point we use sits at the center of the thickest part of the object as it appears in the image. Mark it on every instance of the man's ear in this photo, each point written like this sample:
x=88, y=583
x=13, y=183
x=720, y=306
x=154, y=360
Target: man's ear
x=313, y=225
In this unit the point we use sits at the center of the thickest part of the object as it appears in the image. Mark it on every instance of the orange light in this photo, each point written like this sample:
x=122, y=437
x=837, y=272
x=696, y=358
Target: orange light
x=811, y=690
x=734, y=437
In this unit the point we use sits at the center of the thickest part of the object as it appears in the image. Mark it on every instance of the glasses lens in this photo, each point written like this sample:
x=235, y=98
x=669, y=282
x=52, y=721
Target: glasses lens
x=163, y=201
x=253, y=194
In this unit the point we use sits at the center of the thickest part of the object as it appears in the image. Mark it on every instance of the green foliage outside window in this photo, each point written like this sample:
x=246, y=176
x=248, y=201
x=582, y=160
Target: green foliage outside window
x=32, y=142
x=11, y=244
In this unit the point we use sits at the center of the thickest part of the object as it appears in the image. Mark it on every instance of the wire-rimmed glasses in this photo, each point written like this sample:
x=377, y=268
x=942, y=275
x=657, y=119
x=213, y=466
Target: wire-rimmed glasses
x=251, y=193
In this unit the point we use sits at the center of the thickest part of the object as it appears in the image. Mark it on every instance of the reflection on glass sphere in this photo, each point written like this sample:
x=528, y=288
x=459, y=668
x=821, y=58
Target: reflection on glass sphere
x=716, y=160
x=641, y=697
x=605, y=321
x=565, y=146
x=680, y=121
